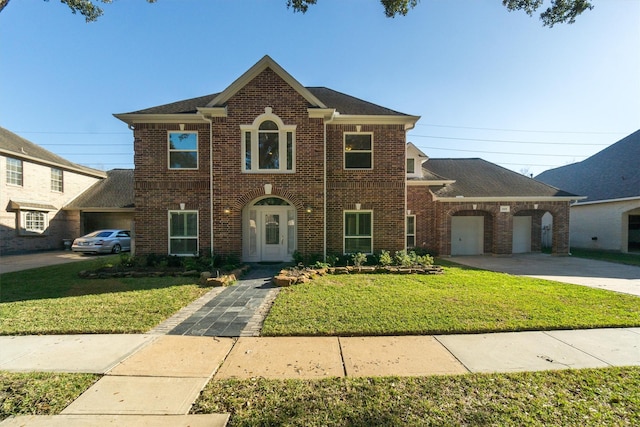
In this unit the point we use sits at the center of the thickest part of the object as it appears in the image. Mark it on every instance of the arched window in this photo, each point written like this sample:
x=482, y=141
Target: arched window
x=268, y=145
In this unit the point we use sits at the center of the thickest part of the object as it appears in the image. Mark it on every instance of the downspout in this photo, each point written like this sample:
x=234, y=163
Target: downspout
x=210, y=120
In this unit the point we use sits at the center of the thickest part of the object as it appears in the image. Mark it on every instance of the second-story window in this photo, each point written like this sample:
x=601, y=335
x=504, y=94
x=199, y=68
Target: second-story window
x=411, y=165
x=14, y=171
x=358, y=151
x=183, y=150
x=56, y=180
x=268, y=145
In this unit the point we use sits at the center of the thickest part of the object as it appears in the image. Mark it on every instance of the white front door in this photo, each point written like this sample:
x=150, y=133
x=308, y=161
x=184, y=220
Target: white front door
x=274, y=235
x=269, y=232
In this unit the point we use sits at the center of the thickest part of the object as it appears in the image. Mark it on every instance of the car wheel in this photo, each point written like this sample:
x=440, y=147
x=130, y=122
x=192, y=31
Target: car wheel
x=116, y=249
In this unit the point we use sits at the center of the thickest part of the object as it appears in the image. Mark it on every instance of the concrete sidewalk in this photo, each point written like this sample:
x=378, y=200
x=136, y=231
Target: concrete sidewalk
x=158, y=377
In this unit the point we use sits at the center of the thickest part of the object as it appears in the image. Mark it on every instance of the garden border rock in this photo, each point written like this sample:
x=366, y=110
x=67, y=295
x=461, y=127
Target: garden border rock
x=296, y=276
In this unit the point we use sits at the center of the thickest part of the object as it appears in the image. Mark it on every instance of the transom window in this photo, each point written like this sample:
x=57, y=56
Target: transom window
x=268, y=145
x=358, y=232
x=56, y=180
x=358, y=150
x=183, y=150
x=411, y=231
x=183, y=233
x=14, y=171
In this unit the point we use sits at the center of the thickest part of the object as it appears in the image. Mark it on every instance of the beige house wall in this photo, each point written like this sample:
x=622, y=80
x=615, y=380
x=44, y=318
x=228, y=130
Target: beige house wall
x=602, y=226
x=36, y=188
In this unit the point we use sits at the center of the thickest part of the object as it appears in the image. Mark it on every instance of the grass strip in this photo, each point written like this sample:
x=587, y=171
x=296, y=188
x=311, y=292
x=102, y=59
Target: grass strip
x=462, y=300
x=54, y=300
x=609, y=256
x=40, y=393
x=586, y=397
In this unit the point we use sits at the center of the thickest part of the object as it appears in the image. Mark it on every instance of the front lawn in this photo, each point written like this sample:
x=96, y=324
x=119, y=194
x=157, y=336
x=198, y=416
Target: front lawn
x=609, y=256
x=54, y=300
x=588, y=397
x=462, y=300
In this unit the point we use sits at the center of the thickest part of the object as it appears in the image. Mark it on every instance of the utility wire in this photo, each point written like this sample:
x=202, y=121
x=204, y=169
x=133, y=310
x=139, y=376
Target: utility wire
x=504, y=140
x=501, y=152
x=519, y=130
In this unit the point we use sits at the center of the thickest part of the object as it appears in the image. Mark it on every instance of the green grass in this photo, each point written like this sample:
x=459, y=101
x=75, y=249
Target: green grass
x=54, y=300
x=617, y=257
x=40, y=393
x=462, y=300
x=589, y=397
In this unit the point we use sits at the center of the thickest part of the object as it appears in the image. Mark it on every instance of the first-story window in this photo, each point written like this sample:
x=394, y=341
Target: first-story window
x=183, y=233
x=358, y=232
x=33, y=222
x=183, y=150
x=411, y=231
x=56, y=180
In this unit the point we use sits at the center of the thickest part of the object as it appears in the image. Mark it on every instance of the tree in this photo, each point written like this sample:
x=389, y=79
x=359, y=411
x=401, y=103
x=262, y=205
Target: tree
x=558, y=12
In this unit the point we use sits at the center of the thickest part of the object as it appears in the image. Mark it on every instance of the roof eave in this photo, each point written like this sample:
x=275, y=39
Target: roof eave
x=509, y=199
x=251, y=73
x=408, y=121
x=134, y=118
x=80, y=170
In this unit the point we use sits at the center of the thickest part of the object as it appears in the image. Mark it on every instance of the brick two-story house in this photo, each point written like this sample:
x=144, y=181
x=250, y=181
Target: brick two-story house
x=268, y=167
x=35, y=186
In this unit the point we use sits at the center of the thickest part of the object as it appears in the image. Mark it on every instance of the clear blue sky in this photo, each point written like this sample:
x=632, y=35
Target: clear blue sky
x=476, y=74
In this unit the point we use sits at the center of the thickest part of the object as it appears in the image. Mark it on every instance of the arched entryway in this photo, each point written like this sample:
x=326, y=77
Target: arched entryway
x=269, y=230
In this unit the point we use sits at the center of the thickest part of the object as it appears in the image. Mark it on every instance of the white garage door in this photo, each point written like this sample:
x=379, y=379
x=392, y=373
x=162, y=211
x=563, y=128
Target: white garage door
x=521, y=234
x=467, y=235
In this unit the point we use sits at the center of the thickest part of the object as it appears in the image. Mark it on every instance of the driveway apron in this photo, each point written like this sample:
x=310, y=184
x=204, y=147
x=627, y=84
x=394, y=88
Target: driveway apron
x=236, y=311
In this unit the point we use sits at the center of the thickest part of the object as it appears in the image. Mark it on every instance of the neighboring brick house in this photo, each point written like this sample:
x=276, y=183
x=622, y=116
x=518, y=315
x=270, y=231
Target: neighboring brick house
x=268, y=167
x=35, y=185
x=609, y=217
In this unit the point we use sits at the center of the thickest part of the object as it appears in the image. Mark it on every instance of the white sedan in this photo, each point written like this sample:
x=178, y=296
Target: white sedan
x=103, y=241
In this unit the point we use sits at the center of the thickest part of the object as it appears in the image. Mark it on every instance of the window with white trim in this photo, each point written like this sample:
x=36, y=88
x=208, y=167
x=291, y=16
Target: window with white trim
x=56, y=180
x=358, y=232
x=411, y=165
x=14, y=171
x=411, y=231
x=358, y=150
x=183, y=150
x=268, y=145
x=33, y=222
x=183, y=233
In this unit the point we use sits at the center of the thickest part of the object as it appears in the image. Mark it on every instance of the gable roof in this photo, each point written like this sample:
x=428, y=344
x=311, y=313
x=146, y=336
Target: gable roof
x=15, y=146
x=477, y=178
x=613, y=173
x=319, y=98
x=113, y=193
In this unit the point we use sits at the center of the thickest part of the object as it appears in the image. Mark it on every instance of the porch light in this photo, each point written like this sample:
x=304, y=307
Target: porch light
x=308, y=209
x=227, y=210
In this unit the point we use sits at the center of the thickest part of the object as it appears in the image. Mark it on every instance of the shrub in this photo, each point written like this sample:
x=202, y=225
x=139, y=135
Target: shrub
x=403, y=259
x=385, y=258
x=358, y=259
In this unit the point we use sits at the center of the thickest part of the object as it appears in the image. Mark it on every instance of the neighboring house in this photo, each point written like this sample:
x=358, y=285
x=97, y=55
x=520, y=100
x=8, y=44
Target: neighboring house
x=35, y=185
x=106, y=204
x=609, y=218
x=268, y=167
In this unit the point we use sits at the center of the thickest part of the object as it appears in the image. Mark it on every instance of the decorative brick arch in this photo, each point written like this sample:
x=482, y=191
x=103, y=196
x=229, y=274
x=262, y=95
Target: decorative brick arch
x=259, y=192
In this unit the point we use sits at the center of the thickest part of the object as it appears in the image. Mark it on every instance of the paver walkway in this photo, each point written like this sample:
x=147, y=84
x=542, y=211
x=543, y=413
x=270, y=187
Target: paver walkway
x=236, y=311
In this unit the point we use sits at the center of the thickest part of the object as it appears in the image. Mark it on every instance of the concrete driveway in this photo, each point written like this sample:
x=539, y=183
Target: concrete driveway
x=40, y=259
x=567, y=269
